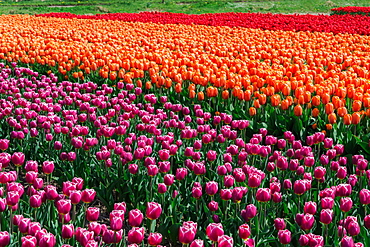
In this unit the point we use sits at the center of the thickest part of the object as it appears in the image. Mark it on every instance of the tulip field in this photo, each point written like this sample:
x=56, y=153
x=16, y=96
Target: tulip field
x=162, y=129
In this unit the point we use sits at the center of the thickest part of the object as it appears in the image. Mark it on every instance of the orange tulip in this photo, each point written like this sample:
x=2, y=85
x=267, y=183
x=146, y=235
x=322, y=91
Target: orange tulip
x=356, y=105
x=225, y=94
x=200, y=96
x=315, y=112
x=252, y=111
x=329, y=108
x=298, y=111
x=347, y=119
x=356, y=118
x=332, y=118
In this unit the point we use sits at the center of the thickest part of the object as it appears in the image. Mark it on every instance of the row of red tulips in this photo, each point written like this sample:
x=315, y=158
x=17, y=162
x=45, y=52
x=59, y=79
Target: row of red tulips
x=353, y=10
x=311, y=23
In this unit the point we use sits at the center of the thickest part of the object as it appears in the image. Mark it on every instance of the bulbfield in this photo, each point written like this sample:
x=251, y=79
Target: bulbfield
x=128, y=159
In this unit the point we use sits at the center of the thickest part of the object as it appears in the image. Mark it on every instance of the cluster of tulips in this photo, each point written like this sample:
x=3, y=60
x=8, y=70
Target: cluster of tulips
x=311, y=23
x=314, y=80
x=353, y=10
x=201, y=177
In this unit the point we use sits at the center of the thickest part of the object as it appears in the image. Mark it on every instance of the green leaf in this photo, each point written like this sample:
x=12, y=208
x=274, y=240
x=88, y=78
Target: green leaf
x=173, y=232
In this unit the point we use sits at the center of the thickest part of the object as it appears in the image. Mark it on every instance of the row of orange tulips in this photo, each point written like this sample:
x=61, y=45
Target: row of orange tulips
x=291, y=70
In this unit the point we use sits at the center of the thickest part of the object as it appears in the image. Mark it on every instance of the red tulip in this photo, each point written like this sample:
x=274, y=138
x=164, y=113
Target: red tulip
x=211, y=188
x=88, y=195
x=18, y=158
x=347, y=241
x=244, y=231
x=214, y=230
x=47, y=240
x=263, y=195
x=367, y=221
x=67, y=231
x=4, y=144
x=29, y=241
x=92, y=213
x=186, y=234
x=136, y=235
x=326, y=216
x=116, y=223
x=154, y=239
x=307, y=222
x=279, y=224
x=225, y=241
x=135, y=217
x=213, y=206
x=48, y=167
x=285, y=236
x=4, y=239
x=35, y=201
x=249, y=212
x=310, y=208
x=364, y=196
x=64, y=206
x=153, y=210
x=197, y=243
x=345, y=204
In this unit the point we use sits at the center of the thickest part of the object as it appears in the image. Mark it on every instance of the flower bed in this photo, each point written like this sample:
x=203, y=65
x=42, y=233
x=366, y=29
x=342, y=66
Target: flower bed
x=128, y=133
x=352, y=10
x=312, y=23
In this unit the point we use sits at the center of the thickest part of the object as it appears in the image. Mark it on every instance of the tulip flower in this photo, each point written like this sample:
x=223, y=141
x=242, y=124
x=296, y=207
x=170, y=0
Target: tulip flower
x=29, y=241
x=347, y=241
x=263, y=195
x=310, y=208
x=326, y=216
x=214, y=230
x=211, y=188
x=135, y=217
x=364, y=196
x=88, y=195
x=225, y=241
x=244, y=231
x=67, y=231
x=47, y=240
x=92, y=213
x=153, y=210
x=154, y=239
x=4, y=238
x=367, y=221
x=345, y=204
x=285, y=236
x=136, y=235
x=279, y=224
x=63, y=206
x=197, y=243
x=18, y=158
x=249, y=212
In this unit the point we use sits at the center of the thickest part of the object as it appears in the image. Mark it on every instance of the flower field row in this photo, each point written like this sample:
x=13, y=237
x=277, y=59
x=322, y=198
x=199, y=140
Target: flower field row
x=353, y=10
x=169, y=161
x=312, y=23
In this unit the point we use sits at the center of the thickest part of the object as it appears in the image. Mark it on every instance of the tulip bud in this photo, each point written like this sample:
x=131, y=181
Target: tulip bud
x=225, y=241
x=136, y=235
x=244, y=231
x=92, y=213
x=326, y=216
x=214, y=230
x=285, y=236
x=153, y=210
x=154, y=239
x=67, y=231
